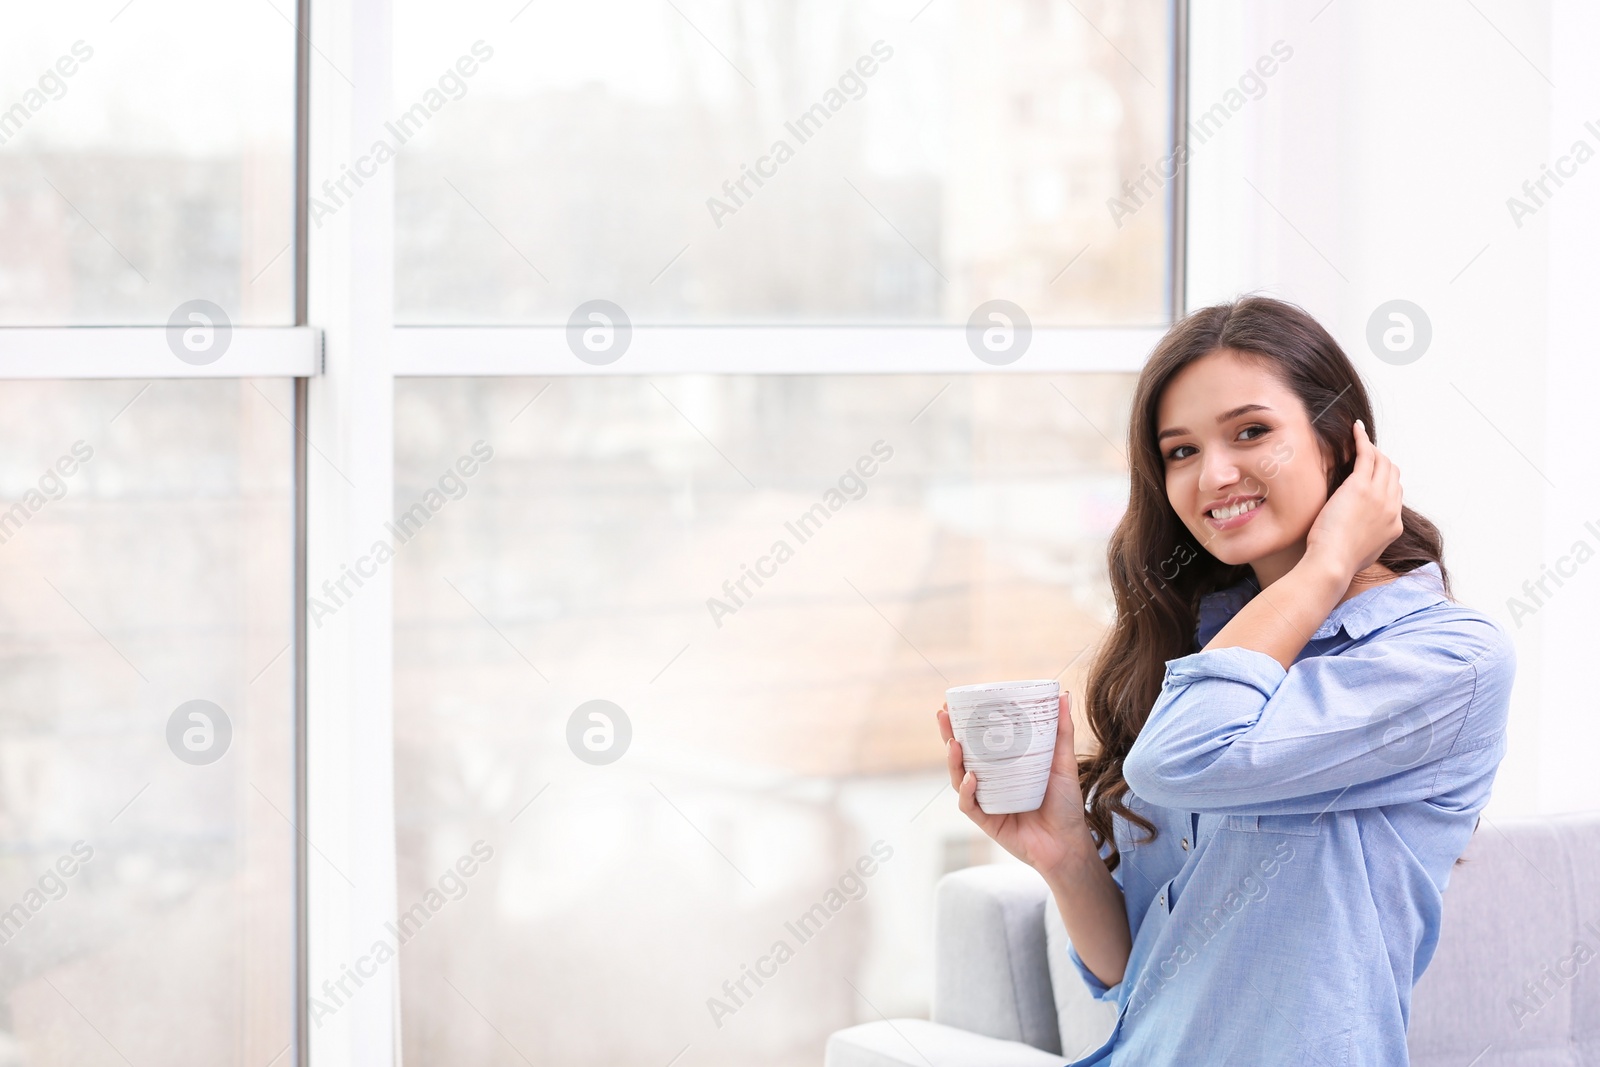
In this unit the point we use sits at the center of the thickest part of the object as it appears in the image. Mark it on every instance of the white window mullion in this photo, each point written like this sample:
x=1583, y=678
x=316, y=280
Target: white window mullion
x=350, y=764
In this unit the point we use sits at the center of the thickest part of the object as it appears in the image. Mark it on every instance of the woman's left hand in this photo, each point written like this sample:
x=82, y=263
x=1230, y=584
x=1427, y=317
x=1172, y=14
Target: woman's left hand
x=1362, y=517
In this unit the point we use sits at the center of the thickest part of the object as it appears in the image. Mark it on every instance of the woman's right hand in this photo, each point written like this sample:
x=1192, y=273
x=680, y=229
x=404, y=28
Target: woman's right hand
x=1046, y=839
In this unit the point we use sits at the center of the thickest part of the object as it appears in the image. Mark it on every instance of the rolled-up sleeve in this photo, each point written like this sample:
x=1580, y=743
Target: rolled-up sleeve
x=1383, y=722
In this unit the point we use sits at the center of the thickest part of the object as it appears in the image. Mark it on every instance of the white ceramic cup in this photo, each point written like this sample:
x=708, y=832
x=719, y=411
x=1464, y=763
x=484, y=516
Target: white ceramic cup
x=1007, y=732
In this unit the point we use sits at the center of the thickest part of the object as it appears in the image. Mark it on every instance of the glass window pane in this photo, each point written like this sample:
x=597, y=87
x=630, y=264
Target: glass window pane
x=594, y=539
x=145, y=722
x=715, y=161
x=146, y=161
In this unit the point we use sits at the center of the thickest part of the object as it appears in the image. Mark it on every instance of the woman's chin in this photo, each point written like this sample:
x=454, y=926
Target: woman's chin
x=1245, y=547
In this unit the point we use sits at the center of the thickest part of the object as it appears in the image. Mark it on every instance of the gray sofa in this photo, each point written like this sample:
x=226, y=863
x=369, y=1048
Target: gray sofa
x=1515, y=981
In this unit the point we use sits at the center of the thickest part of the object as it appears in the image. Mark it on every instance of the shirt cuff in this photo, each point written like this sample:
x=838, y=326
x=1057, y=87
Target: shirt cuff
x=1100, y=990
x=1233, y=662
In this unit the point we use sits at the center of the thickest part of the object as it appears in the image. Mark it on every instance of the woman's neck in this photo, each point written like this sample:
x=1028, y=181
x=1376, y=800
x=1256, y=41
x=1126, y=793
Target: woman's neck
x=1371, y=578
x=1270, y=569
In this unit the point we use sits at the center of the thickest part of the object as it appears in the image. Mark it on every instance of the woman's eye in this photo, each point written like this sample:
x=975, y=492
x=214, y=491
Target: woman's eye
x=1178, y=452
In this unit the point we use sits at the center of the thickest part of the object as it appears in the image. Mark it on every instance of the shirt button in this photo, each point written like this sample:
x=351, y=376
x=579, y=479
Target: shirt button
x=1186, y=844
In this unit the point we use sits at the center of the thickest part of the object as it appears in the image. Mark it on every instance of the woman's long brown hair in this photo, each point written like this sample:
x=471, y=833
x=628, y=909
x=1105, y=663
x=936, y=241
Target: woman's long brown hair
x=1158, y=573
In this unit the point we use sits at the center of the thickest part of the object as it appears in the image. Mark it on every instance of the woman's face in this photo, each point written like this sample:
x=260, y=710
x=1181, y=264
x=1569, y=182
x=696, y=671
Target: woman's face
x=1229, y=431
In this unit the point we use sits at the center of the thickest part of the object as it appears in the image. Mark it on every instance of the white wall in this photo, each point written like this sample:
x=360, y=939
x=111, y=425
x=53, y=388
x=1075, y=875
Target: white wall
x=1384, y=151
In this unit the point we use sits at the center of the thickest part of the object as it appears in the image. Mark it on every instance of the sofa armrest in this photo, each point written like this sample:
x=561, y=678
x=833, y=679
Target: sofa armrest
x=991, y=973
x=919, y=1043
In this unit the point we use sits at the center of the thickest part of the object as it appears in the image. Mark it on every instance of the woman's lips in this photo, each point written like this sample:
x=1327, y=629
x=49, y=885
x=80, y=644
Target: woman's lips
x=1235, y=522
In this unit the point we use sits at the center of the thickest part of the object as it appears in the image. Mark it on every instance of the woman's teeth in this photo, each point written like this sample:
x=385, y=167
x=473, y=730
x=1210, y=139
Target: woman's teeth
x=1224, y=514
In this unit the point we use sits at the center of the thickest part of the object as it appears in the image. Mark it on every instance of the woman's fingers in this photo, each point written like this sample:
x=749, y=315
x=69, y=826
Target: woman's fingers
x=1383, y=474
x=1061, y=792
x=1366, y=451
x=963, y=781
x=967, y=795
x=954, y=762
x=1380, y=487
x=952, y=747
x=1385, y=481
x=1065, y=757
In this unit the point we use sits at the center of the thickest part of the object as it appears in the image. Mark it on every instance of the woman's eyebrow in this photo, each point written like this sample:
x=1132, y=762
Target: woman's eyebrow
x=1242, y=409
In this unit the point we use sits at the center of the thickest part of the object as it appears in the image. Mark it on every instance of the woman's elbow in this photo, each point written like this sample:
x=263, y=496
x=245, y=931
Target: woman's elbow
x=1169, y=779
x=1146, y=774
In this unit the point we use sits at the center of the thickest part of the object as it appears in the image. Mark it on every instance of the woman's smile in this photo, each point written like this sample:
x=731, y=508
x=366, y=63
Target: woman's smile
x=1237, y=515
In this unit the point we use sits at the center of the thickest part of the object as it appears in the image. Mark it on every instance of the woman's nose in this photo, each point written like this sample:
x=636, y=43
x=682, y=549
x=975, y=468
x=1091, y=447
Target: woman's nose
x=1217, y=472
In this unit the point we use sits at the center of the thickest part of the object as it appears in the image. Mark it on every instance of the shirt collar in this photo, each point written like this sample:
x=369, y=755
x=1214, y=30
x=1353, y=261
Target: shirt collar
x=1360, y=615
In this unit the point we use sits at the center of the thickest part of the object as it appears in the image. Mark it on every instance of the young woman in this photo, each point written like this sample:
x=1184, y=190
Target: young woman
x=1297, y=725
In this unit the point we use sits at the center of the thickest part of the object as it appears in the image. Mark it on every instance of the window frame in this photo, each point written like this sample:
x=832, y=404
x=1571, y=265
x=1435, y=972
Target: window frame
x=343, y=412
x=85, y=352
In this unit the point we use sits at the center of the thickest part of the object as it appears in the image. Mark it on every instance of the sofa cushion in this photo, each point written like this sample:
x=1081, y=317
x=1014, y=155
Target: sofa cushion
x=1516, y=977
x=919, y=1043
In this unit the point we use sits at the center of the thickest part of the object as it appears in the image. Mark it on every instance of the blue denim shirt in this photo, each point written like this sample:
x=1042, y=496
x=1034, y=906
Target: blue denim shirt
x=1308, y=822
